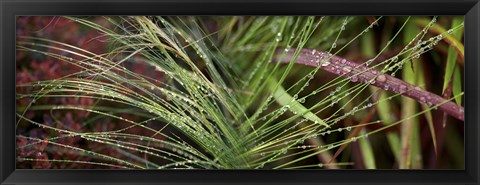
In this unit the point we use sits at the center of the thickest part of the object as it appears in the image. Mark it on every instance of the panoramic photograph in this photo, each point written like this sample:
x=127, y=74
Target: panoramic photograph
x=240, y=92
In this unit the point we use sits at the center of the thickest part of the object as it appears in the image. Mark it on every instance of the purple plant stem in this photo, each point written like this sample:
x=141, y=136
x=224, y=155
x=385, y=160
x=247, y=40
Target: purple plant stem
x=360, y=73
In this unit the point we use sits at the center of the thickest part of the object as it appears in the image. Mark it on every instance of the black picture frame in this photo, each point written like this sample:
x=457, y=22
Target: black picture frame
x=11, y=8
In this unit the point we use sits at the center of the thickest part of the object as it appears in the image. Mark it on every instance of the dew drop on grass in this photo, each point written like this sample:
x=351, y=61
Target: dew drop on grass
x=369, y=62
x=325, y=63
x=355, y=109
x=450, y=31
x=395, y=59
x=279, y=37
x=310, y=76
x=334, y=45
x=349, y=128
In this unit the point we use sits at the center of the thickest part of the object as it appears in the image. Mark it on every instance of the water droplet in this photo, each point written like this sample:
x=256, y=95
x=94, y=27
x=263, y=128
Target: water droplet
x=402, y=88
x=450, y=31
x=279, y=37
x=338, y=89
x=325, y=63
x=369, y=62
x=347, y=69
x=395, y=59
x=355, y=109
x=381, y=78
x=422, y=99
x=354, y=139
x=354, y=79
x=349, y=128
x=320, y=165
x=334, y=45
